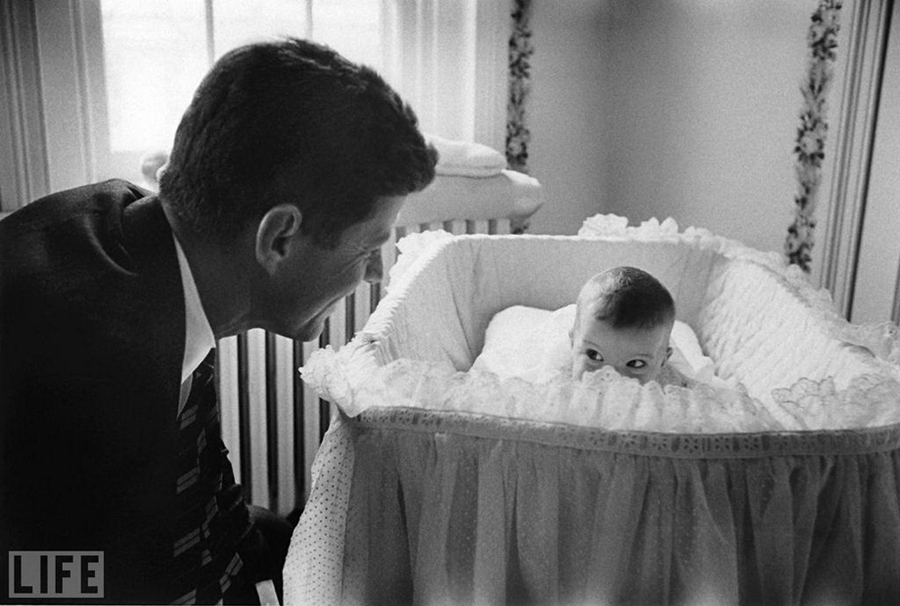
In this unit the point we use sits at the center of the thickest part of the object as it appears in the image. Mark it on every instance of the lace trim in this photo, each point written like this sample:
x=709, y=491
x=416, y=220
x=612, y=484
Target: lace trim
x=682, y=446
x=351, y=379
x=354, y=380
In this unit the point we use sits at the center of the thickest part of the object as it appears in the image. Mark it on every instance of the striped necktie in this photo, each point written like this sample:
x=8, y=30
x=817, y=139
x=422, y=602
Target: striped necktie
x=211, y=518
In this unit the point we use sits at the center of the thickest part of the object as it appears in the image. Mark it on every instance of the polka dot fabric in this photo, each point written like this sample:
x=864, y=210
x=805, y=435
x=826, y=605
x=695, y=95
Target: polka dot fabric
x=433, y=487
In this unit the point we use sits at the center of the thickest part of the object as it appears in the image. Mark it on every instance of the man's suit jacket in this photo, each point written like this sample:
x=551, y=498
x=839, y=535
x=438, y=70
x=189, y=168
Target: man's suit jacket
x=92, y=335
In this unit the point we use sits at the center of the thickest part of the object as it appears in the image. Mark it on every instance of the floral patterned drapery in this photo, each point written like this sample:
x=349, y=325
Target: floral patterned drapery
x=520, y=50
x=811, y=133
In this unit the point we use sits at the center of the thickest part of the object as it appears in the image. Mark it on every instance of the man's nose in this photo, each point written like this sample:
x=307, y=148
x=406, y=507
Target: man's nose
x=374, y=269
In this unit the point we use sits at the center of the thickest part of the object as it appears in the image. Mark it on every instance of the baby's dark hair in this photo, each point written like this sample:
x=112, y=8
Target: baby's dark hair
x=626, y=297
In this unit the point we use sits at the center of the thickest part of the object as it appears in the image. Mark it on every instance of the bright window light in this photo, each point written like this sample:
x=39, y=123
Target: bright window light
x=353, y=27
x=238, y=22
x=157, y=51
x=154, y=56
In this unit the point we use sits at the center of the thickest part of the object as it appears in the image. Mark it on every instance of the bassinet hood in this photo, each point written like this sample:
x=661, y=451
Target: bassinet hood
x=797, y=363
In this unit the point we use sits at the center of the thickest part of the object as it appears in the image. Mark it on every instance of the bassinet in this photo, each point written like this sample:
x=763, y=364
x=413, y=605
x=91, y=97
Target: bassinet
x=438, y=486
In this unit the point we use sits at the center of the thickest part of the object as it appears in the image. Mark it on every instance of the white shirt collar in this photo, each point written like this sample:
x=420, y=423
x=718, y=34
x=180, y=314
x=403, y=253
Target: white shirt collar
x=199, y=338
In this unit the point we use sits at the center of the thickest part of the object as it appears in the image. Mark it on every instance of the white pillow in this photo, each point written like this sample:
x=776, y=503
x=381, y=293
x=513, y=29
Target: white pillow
x=466, y=159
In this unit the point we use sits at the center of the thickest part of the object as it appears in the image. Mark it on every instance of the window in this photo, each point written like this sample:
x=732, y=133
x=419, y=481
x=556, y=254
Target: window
x=95, y=84
x=155, y=54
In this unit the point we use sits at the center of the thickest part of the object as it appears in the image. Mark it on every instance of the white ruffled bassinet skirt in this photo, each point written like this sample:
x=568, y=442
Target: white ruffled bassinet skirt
x=436, y=485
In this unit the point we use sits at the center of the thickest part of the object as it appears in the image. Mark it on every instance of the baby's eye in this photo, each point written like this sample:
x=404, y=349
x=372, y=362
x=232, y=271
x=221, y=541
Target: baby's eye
x=637, y=364
x=594, y=355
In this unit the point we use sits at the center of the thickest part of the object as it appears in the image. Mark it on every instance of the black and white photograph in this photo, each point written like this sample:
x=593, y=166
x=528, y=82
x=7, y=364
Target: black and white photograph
x=450, y=302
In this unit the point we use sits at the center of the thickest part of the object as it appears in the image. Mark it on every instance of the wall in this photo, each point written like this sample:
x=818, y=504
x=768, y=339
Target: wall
x=667, y=108
x=565, y=112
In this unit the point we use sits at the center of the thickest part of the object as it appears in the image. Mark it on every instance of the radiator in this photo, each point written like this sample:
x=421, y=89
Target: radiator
x=272, y=423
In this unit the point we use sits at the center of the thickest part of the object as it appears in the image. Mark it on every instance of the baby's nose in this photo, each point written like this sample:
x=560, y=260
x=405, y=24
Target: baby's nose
x=626, y=371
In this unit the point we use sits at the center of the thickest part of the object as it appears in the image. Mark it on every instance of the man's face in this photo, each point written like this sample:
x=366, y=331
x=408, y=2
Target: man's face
x=309, y=286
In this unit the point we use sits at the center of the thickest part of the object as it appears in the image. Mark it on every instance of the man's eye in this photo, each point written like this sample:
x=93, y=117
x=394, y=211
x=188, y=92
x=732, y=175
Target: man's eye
x=594, y=355
x=637, y=364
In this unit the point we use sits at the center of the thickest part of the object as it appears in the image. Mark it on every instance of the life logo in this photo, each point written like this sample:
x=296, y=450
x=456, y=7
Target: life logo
x=55, y=574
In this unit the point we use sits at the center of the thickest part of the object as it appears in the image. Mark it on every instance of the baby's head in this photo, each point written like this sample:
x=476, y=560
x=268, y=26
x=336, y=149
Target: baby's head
x=623, y=319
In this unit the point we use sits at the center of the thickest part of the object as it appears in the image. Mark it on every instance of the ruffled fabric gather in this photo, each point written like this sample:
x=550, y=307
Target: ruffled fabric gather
x=845, y=376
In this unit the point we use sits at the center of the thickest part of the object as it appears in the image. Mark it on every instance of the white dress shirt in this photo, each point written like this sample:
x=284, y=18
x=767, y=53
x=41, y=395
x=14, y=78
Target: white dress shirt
x=199, y=338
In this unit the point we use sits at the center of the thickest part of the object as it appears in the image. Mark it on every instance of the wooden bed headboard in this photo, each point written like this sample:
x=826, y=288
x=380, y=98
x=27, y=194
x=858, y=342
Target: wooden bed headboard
x=272, y=423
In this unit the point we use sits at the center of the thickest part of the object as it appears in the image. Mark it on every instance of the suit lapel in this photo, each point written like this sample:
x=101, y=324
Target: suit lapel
x=147, y=238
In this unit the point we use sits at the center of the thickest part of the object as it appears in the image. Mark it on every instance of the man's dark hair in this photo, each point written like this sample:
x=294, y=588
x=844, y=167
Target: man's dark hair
x=627, y=297
x=291, y=121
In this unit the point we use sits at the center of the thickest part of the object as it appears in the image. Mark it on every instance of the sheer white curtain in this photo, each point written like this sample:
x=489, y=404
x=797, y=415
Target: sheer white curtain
x=449, y=59
x=92, y=85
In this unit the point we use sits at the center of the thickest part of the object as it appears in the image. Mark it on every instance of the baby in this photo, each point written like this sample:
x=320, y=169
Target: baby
x=624, y=318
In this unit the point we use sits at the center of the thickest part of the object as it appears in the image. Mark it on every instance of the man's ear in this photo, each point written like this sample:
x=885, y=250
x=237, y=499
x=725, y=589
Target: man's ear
x=668, y=354
x=275, y=235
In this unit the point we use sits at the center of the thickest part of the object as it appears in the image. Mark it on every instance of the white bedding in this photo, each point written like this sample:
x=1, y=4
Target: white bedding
x=465, y=158
x=533, y=344
x=508, y=193
x=795, y=365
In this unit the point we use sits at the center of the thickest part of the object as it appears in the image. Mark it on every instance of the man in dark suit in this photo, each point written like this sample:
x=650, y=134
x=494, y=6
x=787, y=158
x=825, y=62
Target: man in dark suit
x=287, y=171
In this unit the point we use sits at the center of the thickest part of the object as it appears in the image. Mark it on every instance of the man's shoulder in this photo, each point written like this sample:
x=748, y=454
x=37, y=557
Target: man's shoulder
x=78, y=208
x=111, y=189
x=65, y=225
x=92, y=197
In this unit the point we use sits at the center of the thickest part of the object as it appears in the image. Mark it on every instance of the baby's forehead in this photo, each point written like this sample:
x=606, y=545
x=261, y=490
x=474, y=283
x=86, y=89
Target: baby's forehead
x=589, y=320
